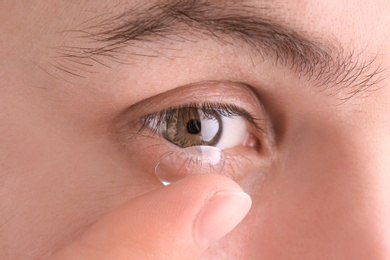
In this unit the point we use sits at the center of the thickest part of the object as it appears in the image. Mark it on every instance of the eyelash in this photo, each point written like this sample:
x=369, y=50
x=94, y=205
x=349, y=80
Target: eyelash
x=154, y=121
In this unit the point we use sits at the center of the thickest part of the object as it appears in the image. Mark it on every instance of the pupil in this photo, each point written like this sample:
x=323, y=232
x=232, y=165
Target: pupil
x=194, y=127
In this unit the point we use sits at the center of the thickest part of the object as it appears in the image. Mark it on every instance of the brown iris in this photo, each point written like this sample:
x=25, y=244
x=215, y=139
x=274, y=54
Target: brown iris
x=190, y=126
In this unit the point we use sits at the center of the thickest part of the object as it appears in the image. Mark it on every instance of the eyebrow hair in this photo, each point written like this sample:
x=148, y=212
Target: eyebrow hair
x=327, y=64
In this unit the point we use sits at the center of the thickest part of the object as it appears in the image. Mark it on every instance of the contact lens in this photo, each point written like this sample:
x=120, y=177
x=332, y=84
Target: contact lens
x=192, y=160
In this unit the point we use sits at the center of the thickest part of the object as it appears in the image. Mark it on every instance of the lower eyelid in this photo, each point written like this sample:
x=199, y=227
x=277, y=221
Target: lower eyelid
x=240, y=161
x=243, y=161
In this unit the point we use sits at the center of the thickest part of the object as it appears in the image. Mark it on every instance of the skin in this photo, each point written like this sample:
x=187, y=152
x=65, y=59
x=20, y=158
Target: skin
x=74, y=185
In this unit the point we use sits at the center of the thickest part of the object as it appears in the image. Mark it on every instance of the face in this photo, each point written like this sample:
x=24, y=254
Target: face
x=295, y=94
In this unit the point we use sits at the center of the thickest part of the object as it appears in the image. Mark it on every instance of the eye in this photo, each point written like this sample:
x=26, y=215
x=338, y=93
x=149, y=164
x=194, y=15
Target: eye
x=221, y=125
x=186, y=127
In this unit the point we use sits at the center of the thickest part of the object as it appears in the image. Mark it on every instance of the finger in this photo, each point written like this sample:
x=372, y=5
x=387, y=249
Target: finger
x=175, y=222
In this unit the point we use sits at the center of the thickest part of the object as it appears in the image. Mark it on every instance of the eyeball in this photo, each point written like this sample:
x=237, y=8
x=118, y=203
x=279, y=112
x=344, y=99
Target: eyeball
x=234, y=132
x=204, y=127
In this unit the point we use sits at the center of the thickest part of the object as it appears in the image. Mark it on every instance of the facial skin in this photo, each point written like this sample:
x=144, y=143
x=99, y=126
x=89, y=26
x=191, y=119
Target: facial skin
x=320, y=184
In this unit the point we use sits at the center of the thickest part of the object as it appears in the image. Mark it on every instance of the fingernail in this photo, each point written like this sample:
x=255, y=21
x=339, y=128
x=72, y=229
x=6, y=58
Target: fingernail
x=220, y=215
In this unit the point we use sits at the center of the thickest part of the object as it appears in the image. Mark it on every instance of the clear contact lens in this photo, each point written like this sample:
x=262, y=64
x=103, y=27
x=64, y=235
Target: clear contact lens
x=193, y=160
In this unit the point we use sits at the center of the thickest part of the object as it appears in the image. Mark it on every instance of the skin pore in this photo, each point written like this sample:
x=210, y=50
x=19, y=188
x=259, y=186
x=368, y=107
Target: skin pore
x=76, y=77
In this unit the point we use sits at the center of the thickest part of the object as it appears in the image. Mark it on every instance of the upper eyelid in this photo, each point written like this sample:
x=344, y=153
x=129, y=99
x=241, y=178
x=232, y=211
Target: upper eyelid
x=242, y=95
x=206, y=92
x=157, y=118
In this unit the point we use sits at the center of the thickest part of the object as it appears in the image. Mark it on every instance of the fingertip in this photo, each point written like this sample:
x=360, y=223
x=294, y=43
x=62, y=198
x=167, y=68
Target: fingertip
x=222, y=213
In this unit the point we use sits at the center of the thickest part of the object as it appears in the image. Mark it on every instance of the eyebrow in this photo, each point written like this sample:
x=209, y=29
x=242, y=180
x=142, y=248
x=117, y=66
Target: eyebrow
x=326, y=63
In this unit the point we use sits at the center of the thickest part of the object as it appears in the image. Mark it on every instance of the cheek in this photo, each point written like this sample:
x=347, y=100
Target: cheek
x=321, y=201
x=57, y=182
x=324, y=197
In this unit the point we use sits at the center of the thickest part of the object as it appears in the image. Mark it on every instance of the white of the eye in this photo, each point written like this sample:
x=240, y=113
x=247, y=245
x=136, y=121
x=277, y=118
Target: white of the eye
x=209, y=129
x=234, y=132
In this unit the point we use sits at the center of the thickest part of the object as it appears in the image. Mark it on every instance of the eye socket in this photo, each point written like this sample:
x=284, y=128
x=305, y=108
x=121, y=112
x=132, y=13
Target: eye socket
x=225, y=116
x=220, y=125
